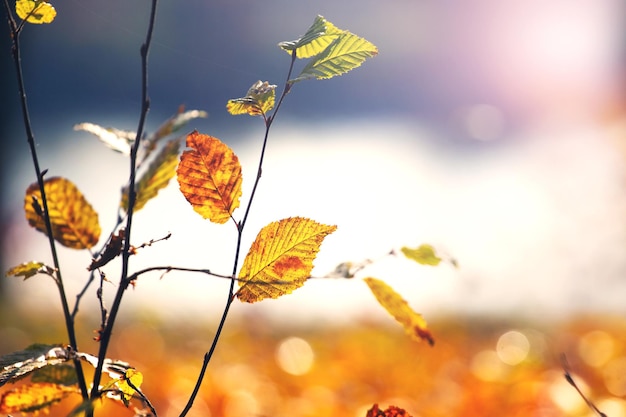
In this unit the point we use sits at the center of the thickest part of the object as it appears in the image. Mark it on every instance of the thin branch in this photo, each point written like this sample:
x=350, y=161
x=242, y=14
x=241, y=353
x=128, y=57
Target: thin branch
x=69, y=321
x=132, y=195
x=570, y=380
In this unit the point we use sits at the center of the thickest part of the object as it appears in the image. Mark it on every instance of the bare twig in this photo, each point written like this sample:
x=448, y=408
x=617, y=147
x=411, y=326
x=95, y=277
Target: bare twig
x=570, y=380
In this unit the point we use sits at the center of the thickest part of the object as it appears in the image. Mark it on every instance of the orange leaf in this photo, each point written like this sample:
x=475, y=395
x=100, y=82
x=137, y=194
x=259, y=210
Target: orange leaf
x=74, y=221
x=33, y=397
x=413, y=323
x=209, y=176
x=392, y=411
x=281, y=258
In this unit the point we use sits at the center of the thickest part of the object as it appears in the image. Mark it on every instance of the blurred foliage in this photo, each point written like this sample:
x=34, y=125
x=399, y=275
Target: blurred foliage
x=479, y=366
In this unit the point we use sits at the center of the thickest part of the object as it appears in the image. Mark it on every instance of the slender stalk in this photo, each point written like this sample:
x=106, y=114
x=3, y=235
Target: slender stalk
x=231, y=295
x=132, y=195
x=69, y=321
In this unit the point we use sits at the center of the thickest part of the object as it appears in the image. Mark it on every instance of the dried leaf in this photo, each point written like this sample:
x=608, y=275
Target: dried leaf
x=209, y=176
x=111, y=251
x=391, y=411
x=74, y=221
x=35, y=11
x=34, y=397
x=57, y=374
x=424, y=254
x=259, y=100
x=30, y=269
x=413, y=323
x=281, y=258
x=156, y=177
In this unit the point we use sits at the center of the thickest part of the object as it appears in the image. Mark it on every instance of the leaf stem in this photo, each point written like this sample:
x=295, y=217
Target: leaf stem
x=69, y=320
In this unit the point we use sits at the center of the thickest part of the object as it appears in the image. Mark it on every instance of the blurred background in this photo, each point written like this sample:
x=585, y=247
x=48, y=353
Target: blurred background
x=491, y=130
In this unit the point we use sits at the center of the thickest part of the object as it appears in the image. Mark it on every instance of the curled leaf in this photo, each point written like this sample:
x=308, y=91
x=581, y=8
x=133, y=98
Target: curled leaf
x=259, y=100
x=111, y=251
x=171, y=125
x=74, y=221
x=35, y=11
x=16, y=365
x=209, y=176
x=281, y=258
x=414, y=324
x=391, y=411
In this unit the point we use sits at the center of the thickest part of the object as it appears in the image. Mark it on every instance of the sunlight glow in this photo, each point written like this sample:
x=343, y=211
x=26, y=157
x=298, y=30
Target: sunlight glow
x=596, y=348
x=295, y=356
x=513, y=347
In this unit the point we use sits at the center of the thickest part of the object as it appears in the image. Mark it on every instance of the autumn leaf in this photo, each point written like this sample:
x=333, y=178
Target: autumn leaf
x=132, y=377
x=413, y=323
x=156, y=177
x=424, y=254
x=259, y=100
x=34, y=397
x=112, y=249
x=57, y=374
x=317, y=38
x=209, y=176
x=391, y=411
x=74, y=221
x=35, y=11
x=281, y=258
x=30, y=269
x=346, y=52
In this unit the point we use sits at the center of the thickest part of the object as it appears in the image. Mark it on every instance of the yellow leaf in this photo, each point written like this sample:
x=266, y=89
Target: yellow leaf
x=413, y=323
x=30, y=269
x=424, y=254
x=209, y=176
x=74, y=221
x=35, y=11
x=281, y=258
x=156, y=177
x=135, y=378
x=33, y=397
x=259, y=100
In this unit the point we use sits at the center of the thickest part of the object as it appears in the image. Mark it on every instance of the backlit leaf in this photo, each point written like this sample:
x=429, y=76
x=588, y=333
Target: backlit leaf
x=34, y=397
x=171, y=125
x=413, y=323
x=74, y=221
x=156, y=177
x=35, y=11
x=209, y=176
x=259, y=100
x=16, y=365
x=424, y=254
x=135, y=378
x=116, y=139
x=391, y=411
x=281, y=258
x=29, y=269
x=317, y=38
x=346, y=52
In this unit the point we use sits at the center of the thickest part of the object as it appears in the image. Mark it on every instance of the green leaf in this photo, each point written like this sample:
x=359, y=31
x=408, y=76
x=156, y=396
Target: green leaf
x=317, y=38
x=345, y=53
x=16, y=365
x=30, y=269
x=424, y=254
x=156, y=177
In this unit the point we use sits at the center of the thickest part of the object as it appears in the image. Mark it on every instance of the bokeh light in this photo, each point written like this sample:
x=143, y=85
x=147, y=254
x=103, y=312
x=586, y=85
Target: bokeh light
x=295, y=356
